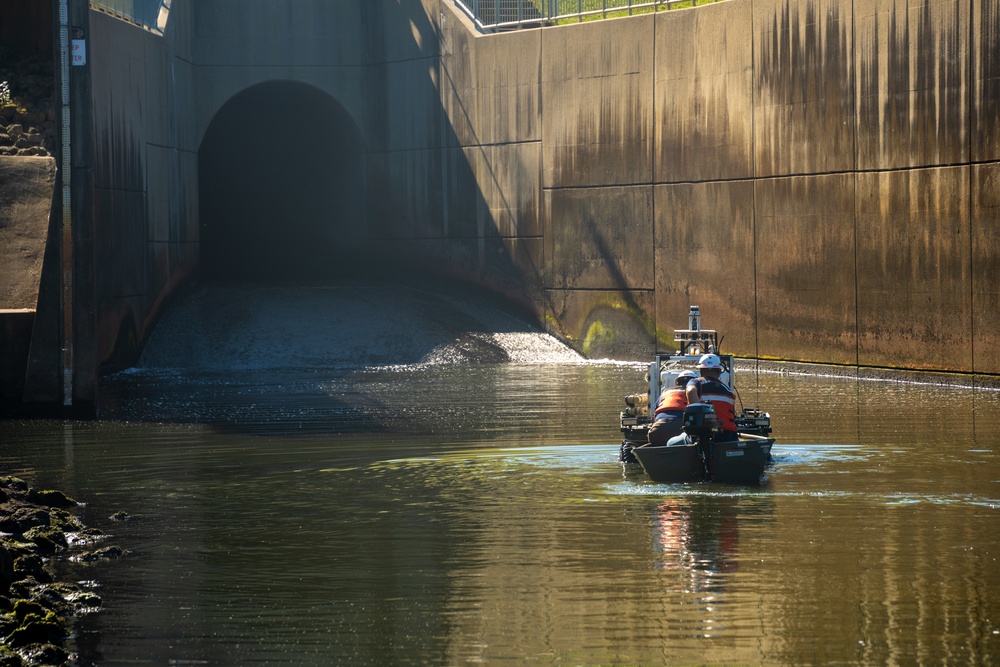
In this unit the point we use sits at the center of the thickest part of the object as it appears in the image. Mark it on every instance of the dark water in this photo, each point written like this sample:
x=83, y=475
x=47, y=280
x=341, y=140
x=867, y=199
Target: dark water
x=451, y=513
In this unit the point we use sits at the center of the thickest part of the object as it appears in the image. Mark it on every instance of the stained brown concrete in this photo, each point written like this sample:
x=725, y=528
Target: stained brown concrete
x=803, y=86
x=567, y=165
x=986, y=268
x=596, y=88
x=599, y=243
x=27, y=185
x=611, y=324
x=805, y=277
x=491, y=217
x=704, y=240
x=489, y=86
x=788, y=146
x=912, y=69
x=820, y=176
x=914, y=269
x=703, y=97
x=985, y=108
x=599, y=238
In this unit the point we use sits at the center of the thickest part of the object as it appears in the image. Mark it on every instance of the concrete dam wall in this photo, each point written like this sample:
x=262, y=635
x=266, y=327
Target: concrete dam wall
x=821, y=177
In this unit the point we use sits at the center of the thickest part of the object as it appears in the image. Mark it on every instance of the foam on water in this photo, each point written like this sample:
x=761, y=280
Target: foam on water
x=362, y=324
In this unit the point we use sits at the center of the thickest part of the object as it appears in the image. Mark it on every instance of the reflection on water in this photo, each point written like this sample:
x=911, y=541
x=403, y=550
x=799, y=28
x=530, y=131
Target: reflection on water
x=699, y=539
x=453, y=514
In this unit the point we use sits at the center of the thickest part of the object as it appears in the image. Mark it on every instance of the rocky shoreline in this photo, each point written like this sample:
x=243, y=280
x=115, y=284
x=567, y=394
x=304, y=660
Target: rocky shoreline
x=28, y=107
x=37, y=610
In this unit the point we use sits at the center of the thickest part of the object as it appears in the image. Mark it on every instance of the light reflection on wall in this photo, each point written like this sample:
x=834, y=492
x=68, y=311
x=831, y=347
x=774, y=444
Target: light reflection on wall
x=150, y=14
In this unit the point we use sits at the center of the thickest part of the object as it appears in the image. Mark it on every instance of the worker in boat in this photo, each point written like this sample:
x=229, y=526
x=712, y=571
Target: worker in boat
x=669, y=416
x=709, y=388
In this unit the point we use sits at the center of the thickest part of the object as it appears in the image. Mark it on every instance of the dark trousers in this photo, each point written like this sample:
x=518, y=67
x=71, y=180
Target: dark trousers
x=666, y=425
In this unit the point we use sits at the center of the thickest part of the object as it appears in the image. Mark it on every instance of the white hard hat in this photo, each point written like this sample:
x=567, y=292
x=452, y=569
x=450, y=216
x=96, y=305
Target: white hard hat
x=685, y=375
x=710, y=361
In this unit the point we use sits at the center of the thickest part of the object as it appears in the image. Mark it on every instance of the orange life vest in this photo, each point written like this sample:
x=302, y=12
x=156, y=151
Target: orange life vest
x=672, y=399
x=722, y=399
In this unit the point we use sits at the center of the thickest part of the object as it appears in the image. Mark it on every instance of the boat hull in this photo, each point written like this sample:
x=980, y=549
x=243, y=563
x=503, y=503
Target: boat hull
x=741, y=462
x=670, y=465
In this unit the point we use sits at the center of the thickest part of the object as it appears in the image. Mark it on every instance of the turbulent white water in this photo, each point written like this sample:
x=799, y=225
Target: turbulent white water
x=241, y=327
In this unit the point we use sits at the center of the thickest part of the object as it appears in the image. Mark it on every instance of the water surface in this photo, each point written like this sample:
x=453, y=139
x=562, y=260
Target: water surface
x=451, y=513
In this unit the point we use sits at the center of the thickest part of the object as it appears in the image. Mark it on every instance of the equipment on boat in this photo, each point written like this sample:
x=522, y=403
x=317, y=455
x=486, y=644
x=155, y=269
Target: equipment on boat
x=706, y=454
x=700, y=421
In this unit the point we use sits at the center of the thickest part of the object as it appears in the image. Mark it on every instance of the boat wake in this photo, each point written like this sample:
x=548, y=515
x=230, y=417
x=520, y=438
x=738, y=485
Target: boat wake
x=816, y=454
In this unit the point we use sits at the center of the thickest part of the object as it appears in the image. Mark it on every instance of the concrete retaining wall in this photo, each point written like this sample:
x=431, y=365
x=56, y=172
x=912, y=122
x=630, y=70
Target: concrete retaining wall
x=822, y=177
x=144, y=167
x=819, y=176
x=27, y=187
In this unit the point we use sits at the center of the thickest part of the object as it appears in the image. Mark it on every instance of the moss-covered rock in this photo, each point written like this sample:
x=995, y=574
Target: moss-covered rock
x=25, y=608
x=107, y=553
x=8, y=658
x=6, y=568
x=13, y=483
x=66, y=521
x=37, y=631
x=35, y=610
x=19, y=518
x=31, y=566
x=8, y=623
x=45, y=654
x=48, y=539
x=50, y=498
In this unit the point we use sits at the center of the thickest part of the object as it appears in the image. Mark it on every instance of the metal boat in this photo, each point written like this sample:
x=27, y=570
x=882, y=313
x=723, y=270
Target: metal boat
x=705, y=455
x=742, y=461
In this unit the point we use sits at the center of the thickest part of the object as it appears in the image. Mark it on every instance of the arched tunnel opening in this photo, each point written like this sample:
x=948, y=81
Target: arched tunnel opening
x=281, y=186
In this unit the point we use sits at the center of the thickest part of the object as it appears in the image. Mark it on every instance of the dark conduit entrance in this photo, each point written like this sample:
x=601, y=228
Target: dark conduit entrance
x=282, y=187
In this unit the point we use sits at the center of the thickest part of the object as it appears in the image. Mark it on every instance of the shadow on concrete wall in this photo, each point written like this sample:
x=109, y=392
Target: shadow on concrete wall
x=282, y=186
x=25, y=27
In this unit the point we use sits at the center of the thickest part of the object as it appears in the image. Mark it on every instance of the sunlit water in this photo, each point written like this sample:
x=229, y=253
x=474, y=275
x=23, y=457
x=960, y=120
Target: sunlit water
x=458, y=513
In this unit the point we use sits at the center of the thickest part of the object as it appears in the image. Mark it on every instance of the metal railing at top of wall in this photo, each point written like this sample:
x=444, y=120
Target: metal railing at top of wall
x=149, y=14
x=497, y=15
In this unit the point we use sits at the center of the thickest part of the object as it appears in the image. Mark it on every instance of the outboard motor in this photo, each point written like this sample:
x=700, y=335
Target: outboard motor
x=700, y=421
